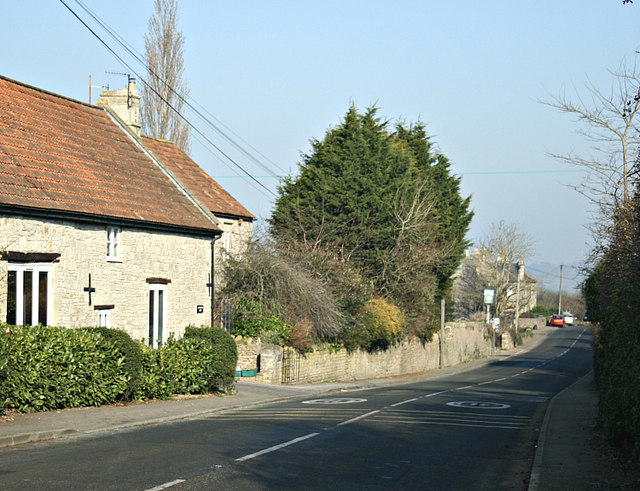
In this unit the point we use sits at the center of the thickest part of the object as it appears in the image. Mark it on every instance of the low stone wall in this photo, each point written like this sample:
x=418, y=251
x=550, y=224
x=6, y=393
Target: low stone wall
x=463, y=342
x=530, y=322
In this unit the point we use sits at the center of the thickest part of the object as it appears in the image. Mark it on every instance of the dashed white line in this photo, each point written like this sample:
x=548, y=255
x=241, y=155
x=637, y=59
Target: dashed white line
x=404, y=402
x=276, y=447
x=436, y=393
x=166, y=485
x=362, y=416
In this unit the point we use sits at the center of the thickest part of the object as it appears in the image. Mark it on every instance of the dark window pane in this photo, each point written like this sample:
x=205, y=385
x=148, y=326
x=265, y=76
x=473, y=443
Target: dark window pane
x=43, y=285
x=27, y=304
x=151, y=304
x=11, y=297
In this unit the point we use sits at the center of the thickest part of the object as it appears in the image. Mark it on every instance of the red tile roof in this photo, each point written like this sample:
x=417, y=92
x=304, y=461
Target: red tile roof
x=62, y=155
x=203, y=186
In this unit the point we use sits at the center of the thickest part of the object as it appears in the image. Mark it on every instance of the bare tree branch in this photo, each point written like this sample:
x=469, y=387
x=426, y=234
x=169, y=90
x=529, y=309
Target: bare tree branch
x=167, y=91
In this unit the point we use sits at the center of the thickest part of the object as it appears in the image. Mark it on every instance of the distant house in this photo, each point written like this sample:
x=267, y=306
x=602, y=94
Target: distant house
x=482, y=270
x=100, y=226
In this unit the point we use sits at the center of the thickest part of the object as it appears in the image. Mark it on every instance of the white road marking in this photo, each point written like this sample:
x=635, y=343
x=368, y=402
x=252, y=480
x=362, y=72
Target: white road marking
x=276, y=447
x=166, y=485
x=358, y=417
x=335, y=400
x=404, y=402
x=436, y=393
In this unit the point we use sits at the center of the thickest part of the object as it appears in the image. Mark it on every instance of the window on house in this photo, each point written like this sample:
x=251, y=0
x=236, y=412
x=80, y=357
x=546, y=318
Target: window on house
x=104, y=318
x=113, y=243
x=157, y=314
x=226, y=242
x=29, y=294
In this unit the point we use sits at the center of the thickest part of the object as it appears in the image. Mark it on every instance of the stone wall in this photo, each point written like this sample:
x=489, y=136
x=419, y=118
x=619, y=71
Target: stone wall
x=183, y=260
x=530, y=322
x=462, y=342
x=236, y=234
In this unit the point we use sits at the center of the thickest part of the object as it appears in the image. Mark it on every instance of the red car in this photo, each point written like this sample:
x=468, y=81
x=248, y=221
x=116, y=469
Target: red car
x=557, y=320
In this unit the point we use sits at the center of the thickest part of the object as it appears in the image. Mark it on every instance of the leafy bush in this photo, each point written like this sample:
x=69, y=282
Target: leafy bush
x=156, y=379
x=381, y=325
x=224, y=356
x=45, y=368
x=252, y=319
x=192, y=361
x=285, y=287
x=132, y=352
x=519, y=336
x=541, y=311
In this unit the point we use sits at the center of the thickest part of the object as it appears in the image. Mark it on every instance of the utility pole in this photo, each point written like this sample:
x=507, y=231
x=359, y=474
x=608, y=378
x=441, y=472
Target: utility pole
x=517, y=317
x=560, y=292
x=442, y=305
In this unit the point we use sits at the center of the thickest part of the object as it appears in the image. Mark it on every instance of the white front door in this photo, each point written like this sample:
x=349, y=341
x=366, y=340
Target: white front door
x=157, y=314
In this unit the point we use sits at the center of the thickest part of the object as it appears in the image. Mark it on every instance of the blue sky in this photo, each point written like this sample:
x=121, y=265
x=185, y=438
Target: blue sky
x=279, y=73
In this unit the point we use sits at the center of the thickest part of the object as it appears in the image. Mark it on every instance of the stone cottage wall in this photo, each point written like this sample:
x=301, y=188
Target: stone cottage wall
x=184, y=260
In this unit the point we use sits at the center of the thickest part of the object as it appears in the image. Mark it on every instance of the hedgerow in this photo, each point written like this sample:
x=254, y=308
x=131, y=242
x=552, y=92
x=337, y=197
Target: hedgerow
x=225, y=355
x=45, y=368
x=612, y=292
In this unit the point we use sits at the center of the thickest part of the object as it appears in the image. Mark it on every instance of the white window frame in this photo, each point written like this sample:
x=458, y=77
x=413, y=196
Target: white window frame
x=157, y=330
x=34, y=269
x=226, y=241
x=104, y=318
x=113, y=244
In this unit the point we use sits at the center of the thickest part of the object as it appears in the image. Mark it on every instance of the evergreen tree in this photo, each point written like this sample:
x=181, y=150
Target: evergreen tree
x=452, y=214
x=382, y=201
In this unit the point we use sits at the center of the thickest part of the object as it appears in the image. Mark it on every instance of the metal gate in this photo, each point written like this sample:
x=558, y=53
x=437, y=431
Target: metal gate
x=290, y=365
x=227, y=306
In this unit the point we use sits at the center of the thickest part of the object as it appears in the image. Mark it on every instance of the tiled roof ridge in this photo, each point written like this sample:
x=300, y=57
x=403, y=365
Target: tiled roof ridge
x=187, y=168
x=49, y=93
x=162, y=166
x=162, y=140
x=66, y=157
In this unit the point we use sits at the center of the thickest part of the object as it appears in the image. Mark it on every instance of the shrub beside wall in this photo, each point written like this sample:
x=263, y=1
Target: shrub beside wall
x=45, y=368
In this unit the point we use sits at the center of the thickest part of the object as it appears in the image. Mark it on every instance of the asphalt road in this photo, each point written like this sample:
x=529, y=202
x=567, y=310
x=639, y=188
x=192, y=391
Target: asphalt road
x=472, y=430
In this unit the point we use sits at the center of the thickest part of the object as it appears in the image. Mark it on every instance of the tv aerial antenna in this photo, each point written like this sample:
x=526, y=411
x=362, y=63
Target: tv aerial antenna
x=91, y=86
x=129, y=80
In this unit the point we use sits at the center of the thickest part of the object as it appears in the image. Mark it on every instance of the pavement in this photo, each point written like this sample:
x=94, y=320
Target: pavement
x=567, y=455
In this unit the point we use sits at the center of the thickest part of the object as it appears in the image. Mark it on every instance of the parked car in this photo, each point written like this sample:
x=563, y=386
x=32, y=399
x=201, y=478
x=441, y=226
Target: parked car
x=568, y=319
x=557, y=320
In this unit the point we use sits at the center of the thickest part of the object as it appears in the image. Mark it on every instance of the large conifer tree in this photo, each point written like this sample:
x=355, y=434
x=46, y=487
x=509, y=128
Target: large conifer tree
x=384, y=202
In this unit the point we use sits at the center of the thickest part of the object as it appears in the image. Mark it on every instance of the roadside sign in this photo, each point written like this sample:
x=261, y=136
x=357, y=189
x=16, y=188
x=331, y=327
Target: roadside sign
x=488, y=296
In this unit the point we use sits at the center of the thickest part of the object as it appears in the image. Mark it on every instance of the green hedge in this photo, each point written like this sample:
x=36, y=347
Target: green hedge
x=45, y=368
x=225, y=355
x=132, y=352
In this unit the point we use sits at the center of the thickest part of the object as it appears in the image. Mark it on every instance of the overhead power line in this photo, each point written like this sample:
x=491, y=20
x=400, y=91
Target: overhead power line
x=138, y=58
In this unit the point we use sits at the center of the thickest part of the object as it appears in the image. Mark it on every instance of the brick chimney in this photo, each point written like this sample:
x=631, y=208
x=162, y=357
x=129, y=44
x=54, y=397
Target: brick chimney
x=125, y=103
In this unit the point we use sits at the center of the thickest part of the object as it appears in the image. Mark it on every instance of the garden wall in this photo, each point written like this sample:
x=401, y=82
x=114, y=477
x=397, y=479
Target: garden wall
x=463, y=342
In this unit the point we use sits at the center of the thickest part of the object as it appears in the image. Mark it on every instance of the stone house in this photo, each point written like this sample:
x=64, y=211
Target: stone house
x=98, y=225
x=481, y=270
